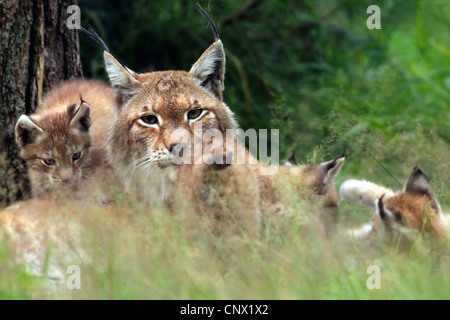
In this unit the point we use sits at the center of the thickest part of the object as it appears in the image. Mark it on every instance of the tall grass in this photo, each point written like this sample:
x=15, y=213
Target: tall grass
x=137, y=251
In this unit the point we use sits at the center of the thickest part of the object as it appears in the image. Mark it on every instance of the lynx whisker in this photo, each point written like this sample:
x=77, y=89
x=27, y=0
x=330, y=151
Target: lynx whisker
x=137, y=163
x=148, y=162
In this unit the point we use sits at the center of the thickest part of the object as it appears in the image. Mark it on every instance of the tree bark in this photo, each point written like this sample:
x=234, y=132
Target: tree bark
x=37, y=51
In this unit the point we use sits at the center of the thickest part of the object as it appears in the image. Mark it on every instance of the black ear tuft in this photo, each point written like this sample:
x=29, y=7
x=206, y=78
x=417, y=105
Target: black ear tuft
x=210, y=22
x=92, y=35
x=80, y=116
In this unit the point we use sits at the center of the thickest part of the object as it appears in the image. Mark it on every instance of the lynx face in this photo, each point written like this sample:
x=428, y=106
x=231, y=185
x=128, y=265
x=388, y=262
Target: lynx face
x=58, y=142
x=414, y=209
x=55, y=145
x=160, y=110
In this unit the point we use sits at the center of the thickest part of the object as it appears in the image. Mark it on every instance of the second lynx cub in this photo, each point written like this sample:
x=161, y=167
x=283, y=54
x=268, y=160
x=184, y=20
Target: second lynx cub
x=67, y=134
x=414, y=210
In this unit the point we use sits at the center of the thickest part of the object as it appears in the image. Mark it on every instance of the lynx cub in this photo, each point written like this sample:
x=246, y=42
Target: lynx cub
x=413, y=210
x=67, y=134
x=312, y=184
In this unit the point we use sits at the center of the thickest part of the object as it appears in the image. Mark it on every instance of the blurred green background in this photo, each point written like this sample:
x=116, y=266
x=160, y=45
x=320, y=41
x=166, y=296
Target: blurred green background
x=309, y=68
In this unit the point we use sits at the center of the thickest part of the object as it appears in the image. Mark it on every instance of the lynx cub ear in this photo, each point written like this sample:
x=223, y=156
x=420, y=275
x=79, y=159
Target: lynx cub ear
x=210, y=69
x=81, y=116
x=122, y=78
x=419, y=184
x=26, y=131
x=330, y=169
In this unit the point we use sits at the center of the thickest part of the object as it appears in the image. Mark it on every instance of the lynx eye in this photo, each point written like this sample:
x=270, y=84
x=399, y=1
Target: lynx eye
x=76, y=156
x=398, y=217
x=151, y=119
x=194, y=114
x=48, y=161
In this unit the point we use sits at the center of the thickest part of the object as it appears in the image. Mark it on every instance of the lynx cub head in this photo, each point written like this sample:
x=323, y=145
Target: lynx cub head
x=315, y=183
x=416, y=208
x=55, y=145
x=156, y=105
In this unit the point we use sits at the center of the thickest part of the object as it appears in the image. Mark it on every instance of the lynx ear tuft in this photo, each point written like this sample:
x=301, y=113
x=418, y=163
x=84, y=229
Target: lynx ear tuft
x=81, y=116
x=26, y=131
x=122, y=79
x=210, y=69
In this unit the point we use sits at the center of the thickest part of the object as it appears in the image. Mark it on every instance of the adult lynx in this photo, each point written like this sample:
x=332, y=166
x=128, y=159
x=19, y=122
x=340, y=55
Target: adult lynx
x=155, y=106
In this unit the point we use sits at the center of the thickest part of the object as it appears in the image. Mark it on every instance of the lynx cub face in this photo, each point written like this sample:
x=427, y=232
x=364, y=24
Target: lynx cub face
x=411, y=211
x=314, y=184
x=55, y=145
x=416, y=208
x=156, y=105
x=58, y=142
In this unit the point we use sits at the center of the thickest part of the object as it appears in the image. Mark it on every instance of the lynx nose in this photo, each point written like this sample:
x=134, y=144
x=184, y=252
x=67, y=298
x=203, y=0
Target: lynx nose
x=66, y=175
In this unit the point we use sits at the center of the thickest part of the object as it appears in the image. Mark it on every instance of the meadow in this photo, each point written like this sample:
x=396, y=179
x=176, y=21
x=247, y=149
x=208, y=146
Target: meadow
x=314, y=71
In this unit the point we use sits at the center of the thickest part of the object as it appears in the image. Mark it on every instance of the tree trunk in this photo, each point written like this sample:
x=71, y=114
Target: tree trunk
x=37, y=51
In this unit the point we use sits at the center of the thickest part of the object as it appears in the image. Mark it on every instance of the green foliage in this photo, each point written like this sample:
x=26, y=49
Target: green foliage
x=311, y=69
x=15, y=283
x=293, y=63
